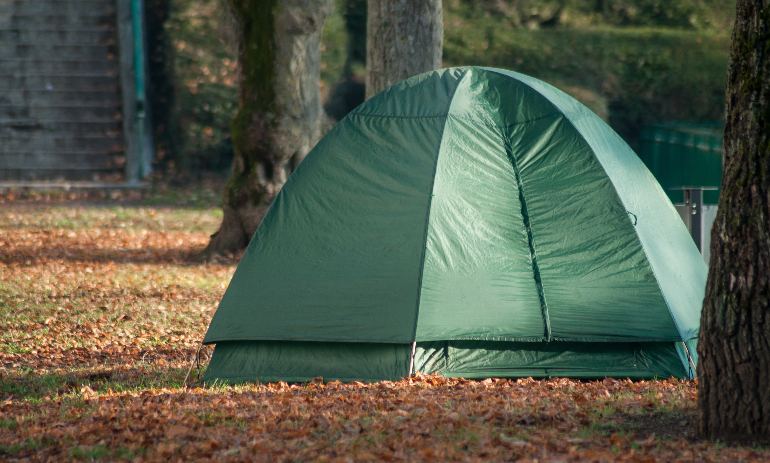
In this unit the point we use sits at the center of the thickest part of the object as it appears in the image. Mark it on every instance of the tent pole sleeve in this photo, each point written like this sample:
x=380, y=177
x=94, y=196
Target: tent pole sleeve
x=411, y=360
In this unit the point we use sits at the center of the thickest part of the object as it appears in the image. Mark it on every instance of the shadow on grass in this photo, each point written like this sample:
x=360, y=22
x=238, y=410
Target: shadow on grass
x=101, y=372
x=33, y=386
x=30, y=256
x=665, y=424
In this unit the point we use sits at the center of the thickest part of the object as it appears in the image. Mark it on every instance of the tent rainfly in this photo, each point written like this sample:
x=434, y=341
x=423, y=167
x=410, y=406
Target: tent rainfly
x=473, y=222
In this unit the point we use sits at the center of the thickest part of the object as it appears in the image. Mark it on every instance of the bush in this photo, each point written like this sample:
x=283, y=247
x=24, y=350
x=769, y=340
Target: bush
x=632, y=76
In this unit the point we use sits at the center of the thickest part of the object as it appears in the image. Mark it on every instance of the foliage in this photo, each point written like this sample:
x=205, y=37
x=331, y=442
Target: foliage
x=204, y=72
x=205, y=75
x=687, y=14
x=160, y=86
x=102, y=307
x=334, y=49
x=616, y=56
x=344, y=48
x=630, y=76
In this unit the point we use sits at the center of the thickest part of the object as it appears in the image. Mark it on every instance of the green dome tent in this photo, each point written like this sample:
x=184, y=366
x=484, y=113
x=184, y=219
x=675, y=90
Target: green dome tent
x=473, y=222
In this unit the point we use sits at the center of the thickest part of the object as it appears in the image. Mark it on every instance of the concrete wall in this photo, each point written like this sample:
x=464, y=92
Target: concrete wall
x=60, y=99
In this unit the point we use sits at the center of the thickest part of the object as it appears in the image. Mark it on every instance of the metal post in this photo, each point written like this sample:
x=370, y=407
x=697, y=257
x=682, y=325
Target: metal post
x=692, y=215
x=693, y=200
x=143, y=125
x=127, y=84
x=137, y=128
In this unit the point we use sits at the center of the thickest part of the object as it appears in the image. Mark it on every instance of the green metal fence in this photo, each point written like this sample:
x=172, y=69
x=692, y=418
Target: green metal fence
x=684, y=155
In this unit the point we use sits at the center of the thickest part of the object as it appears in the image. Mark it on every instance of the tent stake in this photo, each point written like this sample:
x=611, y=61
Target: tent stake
x=193, y=363
x=411, y=361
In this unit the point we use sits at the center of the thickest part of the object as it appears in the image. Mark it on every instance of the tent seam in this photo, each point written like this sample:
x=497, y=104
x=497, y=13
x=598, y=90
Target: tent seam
x=503, y=126
x=430, y=202
x=508, y=126
x=454, y=338
x=306, y=339
x=614, y=188
x=530, y=242
x=582, y=341
x=385, y=116
x=652, y=268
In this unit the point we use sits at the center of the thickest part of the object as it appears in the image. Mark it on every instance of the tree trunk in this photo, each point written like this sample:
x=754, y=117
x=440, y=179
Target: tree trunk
x=734, y=341
x=403, y=39
x=279, y=115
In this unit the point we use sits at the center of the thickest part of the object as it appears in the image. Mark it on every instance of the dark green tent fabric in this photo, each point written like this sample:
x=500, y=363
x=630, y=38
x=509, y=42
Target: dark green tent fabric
x=589, y=360
x=299, y=361
x=465, y=205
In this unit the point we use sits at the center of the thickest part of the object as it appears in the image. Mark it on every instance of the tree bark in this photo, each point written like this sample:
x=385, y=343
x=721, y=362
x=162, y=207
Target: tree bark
x=734, y=340
x=403, y=38
x=279, y=115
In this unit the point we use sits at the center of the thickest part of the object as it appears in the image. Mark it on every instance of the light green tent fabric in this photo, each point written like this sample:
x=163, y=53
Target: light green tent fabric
x=473, y=222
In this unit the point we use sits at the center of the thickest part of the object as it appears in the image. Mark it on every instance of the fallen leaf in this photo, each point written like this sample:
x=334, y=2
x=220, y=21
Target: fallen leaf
x=177, y=431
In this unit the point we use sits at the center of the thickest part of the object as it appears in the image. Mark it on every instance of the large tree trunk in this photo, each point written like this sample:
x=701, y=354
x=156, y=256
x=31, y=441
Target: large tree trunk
x=403, y=39
x=279, y=117
x=734, y=342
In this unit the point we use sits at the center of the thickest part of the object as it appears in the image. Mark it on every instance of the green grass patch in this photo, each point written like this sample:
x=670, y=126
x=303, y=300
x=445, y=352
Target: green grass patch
x=139, y=375
x=17, y=448
x=164, y=217
x=9, y=424
x=102, y=452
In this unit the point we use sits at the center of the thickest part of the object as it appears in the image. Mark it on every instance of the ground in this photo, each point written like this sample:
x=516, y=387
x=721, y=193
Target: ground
x=103, y=303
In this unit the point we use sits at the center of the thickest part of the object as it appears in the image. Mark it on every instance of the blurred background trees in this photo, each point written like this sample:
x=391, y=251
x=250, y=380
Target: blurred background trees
x=404, y=38
x=280, y=117
x=633, y=62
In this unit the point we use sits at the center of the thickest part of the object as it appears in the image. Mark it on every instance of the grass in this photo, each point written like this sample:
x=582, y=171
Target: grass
x=114, y=217
x=121, y=278
x=136, y=374
x=92, y=368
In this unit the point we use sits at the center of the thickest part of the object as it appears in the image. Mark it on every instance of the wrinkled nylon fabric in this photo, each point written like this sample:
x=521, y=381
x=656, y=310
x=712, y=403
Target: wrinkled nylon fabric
x=298, y=361
x=478, y=278
x=459, y=205
x=424, y=95
x=339, y=253
x=597, y=283
x=341, y=260
x=678, y=267
x=484, y=359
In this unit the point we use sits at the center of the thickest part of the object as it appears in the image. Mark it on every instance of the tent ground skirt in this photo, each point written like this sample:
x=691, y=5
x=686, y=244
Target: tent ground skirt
x=301, y=361
x=587, y=360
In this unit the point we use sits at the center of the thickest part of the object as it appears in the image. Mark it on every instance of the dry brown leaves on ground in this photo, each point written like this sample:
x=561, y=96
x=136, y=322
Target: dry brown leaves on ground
x=427, y=419
x=102, y=307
